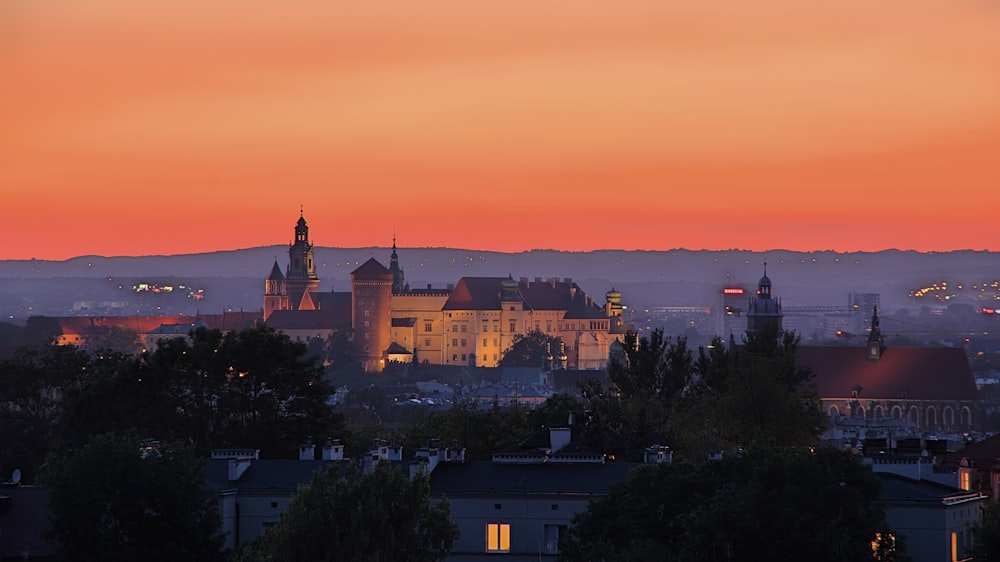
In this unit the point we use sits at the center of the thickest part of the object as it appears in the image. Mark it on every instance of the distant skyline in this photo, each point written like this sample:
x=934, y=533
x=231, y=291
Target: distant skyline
x=136, y=128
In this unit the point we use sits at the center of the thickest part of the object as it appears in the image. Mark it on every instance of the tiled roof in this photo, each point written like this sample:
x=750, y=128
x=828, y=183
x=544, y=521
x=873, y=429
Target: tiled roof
x=404, y=322
x=479, y=479
x=982, y=454
x=230, y=321
x=276, y=274
x=372, y=270
x=396, y=349
x=322, y=319
x=330, y=300
x=922, y=373
x=899, y=489
x=272, y=476
x=483, y=293
x=568, y=380
x=475, y=293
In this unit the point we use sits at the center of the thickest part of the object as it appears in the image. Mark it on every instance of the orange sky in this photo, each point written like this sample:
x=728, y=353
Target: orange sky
x=130, y=128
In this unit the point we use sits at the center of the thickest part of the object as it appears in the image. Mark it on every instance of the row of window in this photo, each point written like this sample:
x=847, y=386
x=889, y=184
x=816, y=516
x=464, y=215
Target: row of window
x=498, y=538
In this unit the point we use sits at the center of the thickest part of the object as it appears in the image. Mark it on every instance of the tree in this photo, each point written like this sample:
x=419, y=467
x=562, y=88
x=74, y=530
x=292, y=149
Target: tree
x=532, y=349
x=118, y=339
x=32, y=382
x=767, y=505
x=987, y=535
x=343, y=515
x=252, y=388
x=121, y=498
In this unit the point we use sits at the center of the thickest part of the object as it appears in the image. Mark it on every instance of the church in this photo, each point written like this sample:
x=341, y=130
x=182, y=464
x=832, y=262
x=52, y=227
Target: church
x=878, y=389
x=469, y=324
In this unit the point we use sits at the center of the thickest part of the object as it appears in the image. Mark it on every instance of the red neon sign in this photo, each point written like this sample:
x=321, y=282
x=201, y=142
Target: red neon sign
x=732, y=291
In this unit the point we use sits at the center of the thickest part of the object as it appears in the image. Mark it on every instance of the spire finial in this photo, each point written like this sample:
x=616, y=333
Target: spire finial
x=302, y=211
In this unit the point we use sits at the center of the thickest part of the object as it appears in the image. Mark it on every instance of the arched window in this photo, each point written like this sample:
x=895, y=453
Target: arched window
x=948, y=418
x=878, y=412
x=932, y=419
x=897, y=412
x=833, y=412
x=914, y=416
x=965, y=417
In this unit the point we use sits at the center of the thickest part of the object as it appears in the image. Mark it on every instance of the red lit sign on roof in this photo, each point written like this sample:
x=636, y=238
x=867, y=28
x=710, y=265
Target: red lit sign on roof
x=732, y=291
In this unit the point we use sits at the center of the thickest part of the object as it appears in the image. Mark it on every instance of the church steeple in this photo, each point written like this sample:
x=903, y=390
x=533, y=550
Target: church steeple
x=398, y=282
x=876, y=345
x=764, y=310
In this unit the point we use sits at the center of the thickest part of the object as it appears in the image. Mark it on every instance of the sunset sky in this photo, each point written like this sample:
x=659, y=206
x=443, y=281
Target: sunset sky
x=184, y=126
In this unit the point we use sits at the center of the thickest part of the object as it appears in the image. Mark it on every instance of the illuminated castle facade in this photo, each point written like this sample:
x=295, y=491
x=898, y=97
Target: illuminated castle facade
x=470, y=324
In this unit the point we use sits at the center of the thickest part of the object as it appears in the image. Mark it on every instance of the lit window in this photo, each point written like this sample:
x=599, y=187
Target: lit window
x=498, y=537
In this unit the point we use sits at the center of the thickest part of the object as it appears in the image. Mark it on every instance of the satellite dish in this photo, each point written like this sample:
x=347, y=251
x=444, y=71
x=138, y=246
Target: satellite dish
x=15, y=477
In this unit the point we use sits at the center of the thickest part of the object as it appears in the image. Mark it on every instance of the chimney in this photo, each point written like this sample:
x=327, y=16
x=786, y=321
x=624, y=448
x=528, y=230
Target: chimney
x=307, y=451
x=333, y=450
x=656, y=454
x=456, y=453
x=559, y=437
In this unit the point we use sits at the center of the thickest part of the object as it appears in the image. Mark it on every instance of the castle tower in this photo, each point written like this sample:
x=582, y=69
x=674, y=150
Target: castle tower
x=398, y=282
x=764, y=310
x=300, y=277
x=371, y=313
x=275, y=293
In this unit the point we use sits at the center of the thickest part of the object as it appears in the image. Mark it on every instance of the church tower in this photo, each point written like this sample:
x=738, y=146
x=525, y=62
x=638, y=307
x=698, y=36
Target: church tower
x=300, y=277
x=764, y=310
x=876, y=345
x=275, y=293
x=398, y=282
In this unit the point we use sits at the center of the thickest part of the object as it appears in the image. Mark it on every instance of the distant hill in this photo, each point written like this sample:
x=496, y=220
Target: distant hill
x=645, y=278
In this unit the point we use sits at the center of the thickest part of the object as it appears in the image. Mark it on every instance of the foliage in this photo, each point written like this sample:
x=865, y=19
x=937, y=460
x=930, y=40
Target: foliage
x=31, y=383
x=788, y=505
x=248, y=388
x=343, y=515
x=987, y=535
x=118, y=339
x=722, y=398
x=119, y=498
x=481, y=431
x=532, y=349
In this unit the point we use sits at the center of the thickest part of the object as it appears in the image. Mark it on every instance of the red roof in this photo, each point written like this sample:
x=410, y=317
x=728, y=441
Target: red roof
x=89, y=325
x=372, y=270
x=922, y=373
x=483, y=293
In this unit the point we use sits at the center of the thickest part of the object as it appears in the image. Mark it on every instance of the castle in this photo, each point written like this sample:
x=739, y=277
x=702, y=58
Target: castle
x=469, y=324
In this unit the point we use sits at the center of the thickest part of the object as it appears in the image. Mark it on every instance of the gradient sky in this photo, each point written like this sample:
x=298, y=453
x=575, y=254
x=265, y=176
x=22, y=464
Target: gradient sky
x=133, y=128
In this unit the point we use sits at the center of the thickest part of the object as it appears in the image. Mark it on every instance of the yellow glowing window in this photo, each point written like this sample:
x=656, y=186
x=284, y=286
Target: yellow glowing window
x=498, y=537
x=965, y=484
